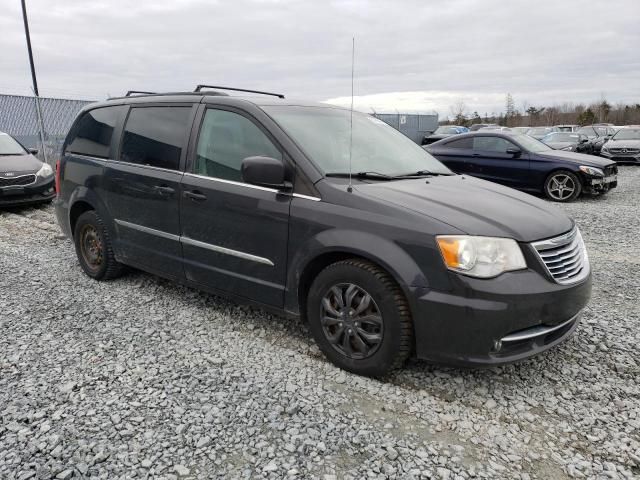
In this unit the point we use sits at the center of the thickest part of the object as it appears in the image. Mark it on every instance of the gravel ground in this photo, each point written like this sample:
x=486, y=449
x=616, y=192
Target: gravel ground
x=142, y=378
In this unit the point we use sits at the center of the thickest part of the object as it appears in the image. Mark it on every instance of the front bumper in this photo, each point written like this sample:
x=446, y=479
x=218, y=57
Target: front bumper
x=41, y=191
x=595, y=185
x=496, y=321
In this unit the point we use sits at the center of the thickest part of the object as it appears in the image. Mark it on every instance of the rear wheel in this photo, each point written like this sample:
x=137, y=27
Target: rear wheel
x=94, y=249
x=360, y=318
x=562, y=186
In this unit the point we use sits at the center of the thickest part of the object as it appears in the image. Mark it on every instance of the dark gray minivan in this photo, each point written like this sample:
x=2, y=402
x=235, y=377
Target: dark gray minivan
x=251, y=198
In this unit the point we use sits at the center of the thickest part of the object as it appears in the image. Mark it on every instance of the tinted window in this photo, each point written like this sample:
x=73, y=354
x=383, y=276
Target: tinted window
x=91, y=135
x=460, y=143
x=225, y=140
x=492, y=144
x=155, y=136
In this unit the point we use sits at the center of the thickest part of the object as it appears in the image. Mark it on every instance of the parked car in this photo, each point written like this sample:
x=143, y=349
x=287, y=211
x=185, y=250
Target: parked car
x=624, y=146
x=23, y=178
x=522, y=162
x=566, y=128
x=571, y=142
x=497, y=128
x=522, y=130
x=478, y=126
x=254, y=198
x=539, y=132
x=598, y=135
x=443, y=131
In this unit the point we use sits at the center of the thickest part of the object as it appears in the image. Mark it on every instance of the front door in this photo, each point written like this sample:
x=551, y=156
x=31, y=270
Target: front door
x=143, y=188
x=492, y=160
x=234, y=235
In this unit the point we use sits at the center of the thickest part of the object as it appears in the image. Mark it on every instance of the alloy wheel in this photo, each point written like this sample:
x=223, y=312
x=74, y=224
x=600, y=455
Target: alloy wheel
x=561, y=187
x=351, y=321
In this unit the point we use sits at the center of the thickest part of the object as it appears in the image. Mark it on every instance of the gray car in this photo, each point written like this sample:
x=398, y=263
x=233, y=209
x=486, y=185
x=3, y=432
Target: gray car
x=23, y=178
x=624, y=146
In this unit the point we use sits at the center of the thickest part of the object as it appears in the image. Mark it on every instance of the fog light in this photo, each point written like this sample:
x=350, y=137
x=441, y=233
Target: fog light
x=497, y=345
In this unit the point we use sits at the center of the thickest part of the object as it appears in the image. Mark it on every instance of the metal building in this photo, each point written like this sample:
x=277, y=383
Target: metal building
x=414, y=125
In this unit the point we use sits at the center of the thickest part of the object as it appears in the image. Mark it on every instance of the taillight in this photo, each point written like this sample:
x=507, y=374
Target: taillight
x=58, y=178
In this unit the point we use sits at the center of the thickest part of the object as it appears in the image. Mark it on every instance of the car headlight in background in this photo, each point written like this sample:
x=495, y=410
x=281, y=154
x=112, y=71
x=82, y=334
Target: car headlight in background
x=596, y=172
x=481, y=257
x=45, y=171
x=569, y=148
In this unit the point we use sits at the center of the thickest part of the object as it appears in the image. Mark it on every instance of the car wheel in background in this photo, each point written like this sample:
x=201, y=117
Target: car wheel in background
x=562, y=186
x=360, y=318
x=94, y=249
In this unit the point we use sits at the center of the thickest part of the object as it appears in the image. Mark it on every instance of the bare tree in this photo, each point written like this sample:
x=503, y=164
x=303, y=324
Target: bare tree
x=458, y=112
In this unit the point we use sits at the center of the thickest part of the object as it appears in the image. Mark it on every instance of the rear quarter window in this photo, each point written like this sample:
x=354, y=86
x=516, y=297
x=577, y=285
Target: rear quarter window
x=91, y=134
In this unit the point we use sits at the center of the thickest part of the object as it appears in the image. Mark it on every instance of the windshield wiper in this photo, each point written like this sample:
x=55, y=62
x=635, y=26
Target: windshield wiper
x=423, y=173
x=374, y=175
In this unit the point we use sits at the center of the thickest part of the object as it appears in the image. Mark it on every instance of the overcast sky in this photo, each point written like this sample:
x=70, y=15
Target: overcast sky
x=410, y=55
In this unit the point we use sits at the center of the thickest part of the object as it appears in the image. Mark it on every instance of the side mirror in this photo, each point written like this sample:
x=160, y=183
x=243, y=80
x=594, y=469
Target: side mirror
x=265, y=172
x=584, y=140
x=33, y=151
x=514, y=151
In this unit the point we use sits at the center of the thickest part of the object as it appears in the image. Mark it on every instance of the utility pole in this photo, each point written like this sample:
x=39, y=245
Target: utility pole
x=34, y=80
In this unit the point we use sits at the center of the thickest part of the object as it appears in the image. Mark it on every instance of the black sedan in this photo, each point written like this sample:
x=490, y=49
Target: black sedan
x=23, y=178
x=598, y=136
x=568, y=141
x=522, y=162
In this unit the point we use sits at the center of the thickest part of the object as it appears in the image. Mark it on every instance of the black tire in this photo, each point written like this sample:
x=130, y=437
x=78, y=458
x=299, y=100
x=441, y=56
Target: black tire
x=555, y=186
x=396, y=330
x=94, y=248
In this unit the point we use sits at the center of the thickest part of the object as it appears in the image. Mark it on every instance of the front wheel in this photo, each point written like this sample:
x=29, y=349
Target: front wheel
x=562, y=186
x=360, y=318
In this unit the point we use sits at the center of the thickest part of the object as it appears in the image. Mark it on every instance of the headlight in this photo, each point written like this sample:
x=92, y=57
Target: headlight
x=596, y=172
x=570, y=148
x=45, y=171
x=481, y=257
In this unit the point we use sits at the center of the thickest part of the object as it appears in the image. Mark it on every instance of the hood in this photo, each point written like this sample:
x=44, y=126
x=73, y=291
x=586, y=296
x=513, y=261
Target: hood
x=474, y=206
x=19, y=164
x=577, y=158
x=623, y=144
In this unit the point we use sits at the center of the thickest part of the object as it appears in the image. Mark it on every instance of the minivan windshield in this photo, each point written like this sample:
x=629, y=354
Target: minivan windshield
x=323, y=133
x=8, y=146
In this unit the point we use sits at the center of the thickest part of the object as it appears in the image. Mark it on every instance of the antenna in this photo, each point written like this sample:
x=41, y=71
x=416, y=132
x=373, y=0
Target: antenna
x=353, y=56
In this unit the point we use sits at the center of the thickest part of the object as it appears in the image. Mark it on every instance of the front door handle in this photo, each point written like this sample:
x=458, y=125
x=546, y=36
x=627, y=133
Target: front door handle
x=195, y=195
x=164, y=190
x=475, y=154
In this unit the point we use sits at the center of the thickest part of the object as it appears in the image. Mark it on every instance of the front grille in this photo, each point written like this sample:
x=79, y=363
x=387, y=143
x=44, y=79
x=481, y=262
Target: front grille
x=564, y=257
x=625, y=151
x=17, y=181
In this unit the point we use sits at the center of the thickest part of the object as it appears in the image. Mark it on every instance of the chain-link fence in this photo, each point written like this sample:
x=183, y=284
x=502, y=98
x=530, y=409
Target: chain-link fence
x=19, y=118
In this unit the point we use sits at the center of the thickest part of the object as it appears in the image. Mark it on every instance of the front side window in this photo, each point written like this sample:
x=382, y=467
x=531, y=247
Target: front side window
x=155, y=136
x=492, y=144
x=91, y=134
x=225, y=140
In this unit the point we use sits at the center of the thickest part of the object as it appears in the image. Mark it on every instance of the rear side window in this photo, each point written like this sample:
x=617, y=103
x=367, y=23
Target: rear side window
x=155, y=136
x=492, y=144
x=225, y=140
x=460, y=143
x=91, y=134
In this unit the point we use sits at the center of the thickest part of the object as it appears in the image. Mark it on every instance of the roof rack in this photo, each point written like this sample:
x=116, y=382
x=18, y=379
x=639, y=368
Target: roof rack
x=200, y=87
x=138, y=92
